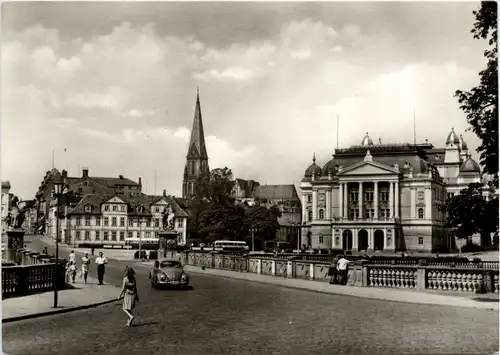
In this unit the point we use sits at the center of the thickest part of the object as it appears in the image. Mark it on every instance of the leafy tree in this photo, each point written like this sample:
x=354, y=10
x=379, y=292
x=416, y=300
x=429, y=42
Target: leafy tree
x=219, y=221
x=480, y=104
x=469, y=213
x=264, y=220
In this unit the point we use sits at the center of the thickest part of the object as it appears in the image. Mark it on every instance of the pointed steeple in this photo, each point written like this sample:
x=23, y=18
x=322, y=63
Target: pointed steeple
x=197, y=147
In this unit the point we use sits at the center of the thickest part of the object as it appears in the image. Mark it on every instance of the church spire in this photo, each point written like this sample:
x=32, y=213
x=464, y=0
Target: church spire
x=197, y=147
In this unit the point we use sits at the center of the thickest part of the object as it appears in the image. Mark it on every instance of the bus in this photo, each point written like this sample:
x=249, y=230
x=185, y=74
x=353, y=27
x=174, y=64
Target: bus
x=225, y=245
x=270, y=246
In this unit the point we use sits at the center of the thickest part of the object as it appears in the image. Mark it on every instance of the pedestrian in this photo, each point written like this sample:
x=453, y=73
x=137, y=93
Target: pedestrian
x=342, y=270
x=332, y=272
x=129, y=294
x=100, y=262
x=148, y=254
x=85, y=266
x=72, y=271
x=72, y=256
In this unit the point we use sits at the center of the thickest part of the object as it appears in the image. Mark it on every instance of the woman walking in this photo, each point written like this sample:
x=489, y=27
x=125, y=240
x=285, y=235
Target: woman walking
x=85, y=266
x=129, y=294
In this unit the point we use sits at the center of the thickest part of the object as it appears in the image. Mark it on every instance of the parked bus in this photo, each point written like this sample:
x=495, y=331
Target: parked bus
x=225, y=245
x=276, y=245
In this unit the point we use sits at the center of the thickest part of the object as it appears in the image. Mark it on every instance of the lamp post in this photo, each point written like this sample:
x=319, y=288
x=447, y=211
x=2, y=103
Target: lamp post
x=253, y=238
x=58, y=188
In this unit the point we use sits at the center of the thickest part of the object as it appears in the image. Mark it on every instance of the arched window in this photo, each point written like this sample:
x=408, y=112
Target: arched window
x=421, y=213
x=321, y=214
x=310, y=215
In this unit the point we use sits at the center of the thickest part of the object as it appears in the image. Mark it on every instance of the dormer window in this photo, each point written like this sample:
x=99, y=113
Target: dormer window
x=438, y=157
x=88, y=208
x=407, y=165
x=140, y=209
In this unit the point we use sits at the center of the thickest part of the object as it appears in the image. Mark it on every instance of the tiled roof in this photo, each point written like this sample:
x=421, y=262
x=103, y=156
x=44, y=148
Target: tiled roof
x=178, y=210
x=277, y=192
x=112, y=181
x=95, y=201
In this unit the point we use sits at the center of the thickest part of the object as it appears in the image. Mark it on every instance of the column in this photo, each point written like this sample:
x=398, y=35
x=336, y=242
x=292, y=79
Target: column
x=385, y=238
x=184, y=231
x=371, y=244
x=396, y=199
x=328, y=204
x=391, y=200
x=315, y=205
x=304, y=210
x=341, y=200
x=413, y=199
x=345, y=196
x=355, y=238
x=428, y=204
x=375, y=198
x=360, y=200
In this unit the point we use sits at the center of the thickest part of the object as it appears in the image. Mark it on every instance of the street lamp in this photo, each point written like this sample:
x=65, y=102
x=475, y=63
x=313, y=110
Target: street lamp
x=253, y=238
x=58, y=189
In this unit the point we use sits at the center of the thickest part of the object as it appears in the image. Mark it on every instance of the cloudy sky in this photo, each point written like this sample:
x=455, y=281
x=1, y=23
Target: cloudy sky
x=112, y=86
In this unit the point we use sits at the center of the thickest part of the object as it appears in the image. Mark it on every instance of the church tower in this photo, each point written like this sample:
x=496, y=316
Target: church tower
x=197, y=157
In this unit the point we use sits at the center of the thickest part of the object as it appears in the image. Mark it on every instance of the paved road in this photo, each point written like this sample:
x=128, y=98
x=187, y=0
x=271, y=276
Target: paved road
x=227, y=316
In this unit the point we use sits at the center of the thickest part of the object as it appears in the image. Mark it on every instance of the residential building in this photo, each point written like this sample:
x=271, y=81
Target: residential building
x=117, y=219
x=385, y=197
x=5, y=203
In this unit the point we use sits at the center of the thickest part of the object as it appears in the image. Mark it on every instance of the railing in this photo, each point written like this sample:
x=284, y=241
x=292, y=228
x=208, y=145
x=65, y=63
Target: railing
x=23, y=280
x=394, y=273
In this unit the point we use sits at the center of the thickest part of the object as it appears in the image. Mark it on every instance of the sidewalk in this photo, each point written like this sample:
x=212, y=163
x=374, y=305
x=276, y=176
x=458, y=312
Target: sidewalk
x=467, y=300
x=81, y=297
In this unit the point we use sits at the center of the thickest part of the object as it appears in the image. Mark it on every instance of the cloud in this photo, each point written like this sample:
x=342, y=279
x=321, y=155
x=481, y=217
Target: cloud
x=122, y=100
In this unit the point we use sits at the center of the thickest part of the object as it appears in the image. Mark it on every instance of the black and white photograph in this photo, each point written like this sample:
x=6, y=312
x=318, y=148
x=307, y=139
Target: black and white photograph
x=249, y=177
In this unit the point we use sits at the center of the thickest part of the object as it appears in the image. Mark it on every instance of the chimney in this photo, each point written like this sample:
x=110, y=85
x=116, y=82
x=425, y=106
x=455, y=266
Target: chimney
x=85, y=172
x=64, y=174
x=121, y=177
x=140, y=182
x=164, y=192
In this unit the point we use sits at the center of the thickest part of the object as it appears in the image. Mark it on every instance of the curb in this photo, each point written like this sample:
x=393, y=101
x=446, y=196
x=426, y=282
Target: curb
x=57, y=311
x=334, y=293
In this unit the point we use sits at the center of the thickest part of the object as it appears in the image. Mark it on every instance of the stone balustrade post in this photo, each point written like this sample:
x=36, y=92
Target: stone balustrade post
x=311, y=271
x=488, y=278
x=273, y=267
x=289, y=268
x=259, y=266
x=421, y=275
x=360, y=276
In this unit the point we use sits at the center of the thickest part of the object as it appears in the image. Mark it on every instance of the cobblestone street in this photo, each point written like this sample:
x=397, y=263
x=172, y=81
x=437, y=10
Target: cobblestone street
x=225, y=316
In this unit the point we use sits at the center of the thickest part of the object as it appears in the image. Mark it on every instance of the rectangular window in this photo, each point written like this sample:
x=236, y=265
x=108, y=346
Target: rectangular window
x=87, y=235
x=122, y=208
x=156, y=234
x=78, y=220
x=157, y=222
x=113, y=222
x=353, y=196
x=87, y=220
x=420, y=240
x=320, y=240
x=113, y=236
x=122, y=221
x=77, y=235
x=106, y=235
x=122, y=236
x=354, y=213
x=148, y=234
x=97, y=235
x=179, y=223
x=106, y=207
x=106, y=221
x=148, y=223
x=130, y=222
x=129, y=235
x=384, y=196
x=115, y=208
x=98, y=221
x=369, y=196
x=309, y=198
x=157, y=209
x=369, y=213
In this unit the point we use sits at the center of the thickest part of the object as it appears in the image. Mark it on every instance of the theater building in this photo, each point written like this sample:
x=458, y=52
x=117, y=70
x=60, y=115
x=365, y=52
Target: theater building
x=385, y=197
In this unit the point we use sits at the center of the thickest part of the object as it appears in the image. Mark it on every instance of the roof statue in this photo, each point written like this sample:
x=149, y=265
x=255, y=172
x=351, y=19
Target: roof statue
x=368, y=156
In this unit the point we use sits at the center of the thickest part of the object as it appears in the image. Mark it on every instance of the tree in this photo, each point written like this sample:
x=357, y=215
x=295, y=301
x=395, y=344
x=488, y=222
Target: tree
x=222, y=221
x=480, y=104
x=469, y=213
x=263, y=220
x=217, y=187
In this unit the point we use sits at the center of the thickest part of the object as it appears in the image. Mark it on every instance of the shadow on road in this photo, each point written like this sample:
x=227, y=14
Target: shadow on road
x=143, y=324
x=486, y=299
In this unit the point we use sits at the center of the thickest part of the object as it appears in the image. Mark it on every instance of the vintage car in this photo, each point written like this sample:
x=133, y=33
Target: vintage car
x=168, y=273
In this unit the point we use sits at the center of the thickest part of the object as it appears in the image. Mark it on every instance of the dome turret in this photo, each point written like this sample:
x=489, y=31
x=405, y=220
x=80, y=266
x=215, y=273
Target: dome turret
x=366, y=140
x=313, y=169
x=470, y=165
x=452, y=138
x=331, y=166
x=462, y=145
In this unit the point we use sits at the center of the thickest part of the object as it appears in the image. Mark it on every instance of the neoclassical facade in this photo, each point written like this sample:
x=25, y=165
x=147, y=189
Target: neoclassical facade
x=385, y=197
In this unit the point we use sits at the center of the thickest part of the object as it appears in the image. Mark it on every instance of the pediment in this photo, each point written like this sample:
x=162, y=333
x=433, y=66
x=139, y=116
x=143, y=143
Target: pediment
x=369, y=168
x=115, y=200
x=161, y=202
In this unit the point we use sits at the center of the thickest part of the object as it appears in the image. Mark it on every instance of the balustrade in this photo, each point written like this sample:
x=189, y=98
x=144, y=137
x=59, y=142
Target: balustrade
x=393, y=277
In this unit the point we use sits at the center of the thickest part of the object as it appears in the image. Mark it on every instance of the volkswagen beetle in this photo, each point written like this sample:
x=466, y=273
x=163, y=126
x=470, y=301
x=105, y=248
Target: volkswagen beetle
x=168, y=273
